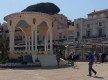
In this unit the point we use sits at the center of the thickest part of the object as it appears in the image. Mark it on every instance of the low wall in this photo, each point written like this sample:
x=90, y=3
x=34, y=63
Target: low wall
x=46, y=60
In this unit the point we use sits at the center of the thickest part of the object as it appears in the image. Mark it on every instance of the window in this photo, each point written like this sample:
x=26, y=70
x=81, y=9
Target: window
x=88, y=25
x=78, y=34
x=37, y=37
x=88, y=34
x=34, y=20
x=100, y=32
x=64, y=36
x=77, y=26
x=100, y=23
x=37, y=31
x=76, y=39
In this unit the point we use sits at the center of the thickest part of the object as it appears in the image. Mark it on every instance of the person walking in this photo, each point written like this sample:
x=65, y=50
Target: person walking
x=58, y=59
x=100, y=57
x=71, y=59
x=90, y=64
x=94, y=56
x=103, y=57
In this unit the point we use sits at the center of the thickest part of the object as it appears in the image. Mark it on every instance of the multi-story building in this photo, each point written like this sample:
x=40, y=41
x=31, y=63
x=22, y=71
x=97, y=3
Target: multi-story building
x=70, y=35
x=95, y=26
x=60, y=29
x=94, y=29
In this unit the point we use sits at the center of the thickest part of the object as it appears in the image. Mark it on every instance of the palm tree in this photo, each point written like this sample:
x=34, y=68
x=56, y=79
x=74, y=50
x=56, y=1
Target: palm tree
x=4, y=48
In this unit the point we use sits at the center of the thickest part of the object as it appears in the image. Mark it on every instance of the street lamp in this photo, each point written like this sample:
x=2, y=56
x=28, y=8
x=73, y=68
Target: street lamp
x=68, y=46
x=67, y=49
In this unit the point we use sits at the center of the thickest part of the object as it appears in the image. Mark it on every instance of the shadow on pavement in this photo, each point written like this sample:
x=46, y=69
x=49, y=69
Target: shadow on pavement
x=35, y=67
x=98, y=77
x=75, y=68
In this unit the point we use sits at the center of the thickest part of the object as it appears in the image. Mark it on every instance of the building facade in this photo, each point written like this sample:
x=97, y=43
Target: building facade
x=94, y=27
x=70, y=35
x=93, y=30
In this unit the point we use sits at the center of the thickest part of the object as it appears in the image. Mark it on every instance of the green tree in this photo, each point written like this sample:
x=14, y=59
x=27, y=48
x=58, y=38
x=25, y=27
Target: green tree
x=4, y=48
x=49, y=8
x=62, y=47
x=69, y=22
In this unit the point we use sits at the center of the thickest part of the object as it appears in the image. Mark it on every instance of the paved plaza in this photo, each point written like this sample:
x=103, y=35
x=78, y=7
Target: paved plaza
x=79, y=72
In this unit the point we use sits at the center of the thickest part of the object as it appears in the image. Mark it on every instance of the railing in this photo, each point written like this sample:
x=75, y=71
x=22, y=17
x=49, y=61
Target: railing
x=99, y=36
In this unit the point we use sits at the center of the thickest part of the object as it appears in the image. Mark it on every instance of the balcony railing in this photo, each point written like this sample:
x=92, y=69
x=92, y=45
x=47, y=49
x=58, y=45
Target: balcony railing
x=99, y=36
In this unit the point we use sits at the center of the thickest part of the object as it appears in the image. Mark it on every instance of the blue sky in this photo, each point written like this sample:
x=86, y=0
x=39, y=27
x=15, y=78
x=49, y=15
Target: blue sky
x=70, y=8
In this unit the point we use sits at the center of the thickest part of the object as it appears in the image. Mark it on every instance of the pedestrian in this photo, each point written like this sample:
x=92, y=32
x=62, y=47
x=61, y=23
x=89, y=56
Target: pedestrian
x=100, y=56
x=103, y=57
x=96, y=55
x=74, y=59
x=90, y=64
x=71, y=59
x=58, y=59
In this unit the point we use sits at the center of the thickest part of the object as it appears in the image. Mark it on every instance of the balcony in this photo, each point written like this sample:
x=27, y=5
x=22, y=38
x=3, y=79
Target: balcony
x=18, y=39
x=102, y=35
x=98, y=36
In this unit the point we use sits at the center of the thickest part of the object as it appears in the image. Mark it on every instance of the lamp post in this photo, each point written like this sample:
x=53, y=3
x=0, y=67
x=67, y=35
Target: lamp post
x=67, y=50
